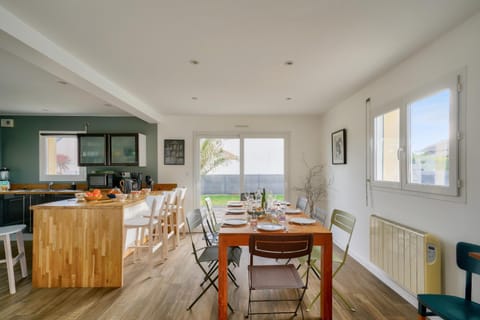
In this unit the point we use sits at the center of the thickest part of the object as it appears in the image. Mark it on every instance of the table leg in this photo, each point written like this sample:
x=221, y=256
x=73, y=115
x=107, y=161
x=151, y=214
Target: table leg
x=326, y=283
x=222, y=280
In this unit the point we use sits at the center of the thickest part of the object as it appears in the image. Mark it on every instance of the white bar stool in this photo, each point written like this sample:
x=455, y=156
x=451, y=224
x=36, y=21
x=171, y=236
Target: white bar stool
x=5, y=233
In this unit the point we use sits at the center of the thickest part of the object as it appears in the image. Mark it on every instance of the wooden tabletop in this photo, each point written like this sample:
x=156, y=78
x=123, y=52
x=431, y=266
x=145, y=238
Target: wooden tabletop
x=239, y=235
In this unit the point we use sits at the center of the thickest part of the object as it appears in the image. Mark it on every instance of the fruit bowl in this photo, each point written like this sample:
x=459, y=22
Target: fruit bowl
x=93, y=197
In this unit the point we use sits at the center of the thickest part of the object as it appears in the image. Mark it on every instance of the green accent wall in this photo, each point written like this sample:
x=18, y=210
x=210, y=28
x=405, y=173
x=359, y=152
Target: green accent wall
x=19, y=145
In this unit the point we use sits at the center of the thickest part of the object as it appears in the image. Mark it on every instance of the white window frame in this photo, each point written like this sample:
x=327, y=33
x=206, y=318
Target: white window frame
x=455, y=82
x=378, y=112
x=82, y=176
x=242, y=136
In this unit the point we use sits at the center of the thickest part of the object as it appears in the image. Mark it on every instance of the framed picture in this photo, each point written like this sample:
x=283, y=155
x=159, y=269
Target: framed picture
x=339, y=147
x=173, y=152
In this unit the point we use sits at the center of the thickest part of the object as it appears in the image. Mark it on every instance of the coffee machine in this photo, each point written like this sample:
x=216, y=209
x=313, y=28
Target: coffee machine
x=137, y=178
x=4, y=179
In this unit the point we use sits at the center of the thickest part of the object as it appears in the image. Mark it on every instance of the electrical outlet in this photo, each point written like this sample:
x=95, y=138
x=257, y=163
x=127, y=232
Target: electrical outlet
x=7, y=123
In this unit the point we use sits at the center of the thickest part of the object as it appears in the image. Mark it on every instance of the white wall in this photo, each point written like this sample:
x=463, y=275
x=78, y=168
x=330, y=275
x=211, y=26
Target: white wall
x=304, y=136
x=450, y=221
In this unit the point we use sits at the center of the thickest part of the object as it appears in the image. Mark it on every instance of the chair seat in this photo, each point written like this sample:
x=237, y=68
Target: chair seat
x=211, y=254
x=264, y=277
x=136, y=222
x=451, y=307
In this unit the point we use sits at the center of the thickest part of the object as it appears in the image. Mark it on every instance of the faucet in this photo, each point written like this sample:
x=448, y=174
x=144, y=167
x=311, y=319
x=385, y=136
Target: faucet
x=50, y=185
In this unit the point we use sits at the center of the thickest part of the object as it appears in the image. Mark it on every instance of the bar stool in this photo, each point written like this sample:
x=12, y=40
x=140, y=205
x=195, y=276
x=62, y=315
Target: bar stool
x=5, y=233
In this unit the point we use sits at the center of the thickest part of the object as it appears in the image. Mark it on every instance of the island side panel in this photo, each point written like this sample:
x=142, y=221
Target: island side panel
x=77, y=247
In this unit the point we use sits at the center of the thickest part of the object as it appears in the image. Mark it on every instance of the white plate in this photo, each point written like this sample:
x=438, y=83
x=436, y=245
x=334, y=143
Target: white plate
x=235, y=211
x=235, y=222
x=303, y=220
x=269, y=227
x=235, y=203
x=292, y=211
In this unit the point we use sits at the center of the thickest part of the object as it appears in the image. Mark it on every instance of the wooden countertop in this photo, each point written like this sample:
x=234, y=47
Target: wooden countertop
x=40, y=191
x=76, y=204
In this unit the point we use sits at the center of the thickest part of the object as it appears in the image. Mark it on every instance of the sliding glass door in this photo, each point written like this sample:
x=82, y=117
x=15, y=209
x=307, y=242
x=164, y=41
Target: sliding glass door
x=227, y=165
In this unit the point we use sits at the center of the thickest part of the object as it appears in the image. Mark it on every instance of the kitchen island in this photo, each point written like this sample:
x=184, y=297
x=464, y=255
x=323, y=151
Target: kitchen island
x=80, y=244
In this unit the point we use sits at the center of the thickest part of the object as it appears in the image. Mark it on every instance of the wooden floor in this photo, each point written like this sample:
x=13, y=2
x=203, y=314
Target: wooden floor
x=172, y=286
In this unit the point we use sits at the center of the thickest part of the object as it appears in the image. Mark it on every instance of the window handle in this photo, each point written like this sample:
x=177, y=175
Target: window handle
x=399, y=153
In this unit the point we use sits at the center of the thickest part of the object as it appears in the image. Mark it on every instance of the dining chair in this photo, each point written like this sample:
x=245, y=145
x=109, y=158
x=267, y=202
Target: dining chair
x=212, y=217
x=342, y=225
x=277, y=276
x=148, y=231
x=452, y=307
x=320, y=215
x=302, y=203
x=5, y=235
x=206, y=257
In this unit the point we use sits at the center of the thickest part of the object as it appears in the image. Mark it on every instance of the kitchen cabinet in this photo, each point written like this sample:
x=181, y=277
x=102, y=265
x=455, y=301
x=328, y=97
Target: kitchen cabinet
x=92, y=150
x=127, y=149
x=116, y=149
x=12, y=210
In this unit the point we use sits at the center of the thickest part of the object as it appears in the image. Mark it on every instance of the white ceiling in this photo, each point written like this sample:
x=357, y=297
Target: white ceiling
x=136, y=55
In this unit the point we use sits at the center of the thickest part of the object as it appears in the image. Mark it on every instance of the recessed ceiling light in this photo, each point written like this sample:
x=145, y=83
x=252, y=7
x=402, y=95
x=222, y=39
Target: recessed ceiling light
x=62, y=82
x=289, y=62
x=194, y=98
x=108, y=105
x=288, y=98
x=193, y=61
x=44, y=109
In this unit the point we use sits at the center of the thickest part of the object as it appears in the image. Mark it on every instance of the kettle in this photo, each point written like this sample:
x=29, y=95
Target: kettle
x=126, y=185
x=4, y=174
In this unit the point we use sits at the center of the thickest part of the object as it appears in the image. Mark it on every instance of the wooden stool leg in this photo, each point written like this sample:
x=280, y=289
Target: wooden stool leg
x=21, y=254
x=9, y=262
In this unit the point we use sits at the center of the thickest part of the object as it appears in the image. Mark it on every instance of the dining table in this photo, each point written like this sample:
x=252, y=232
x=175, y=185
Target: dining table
x=238, y=234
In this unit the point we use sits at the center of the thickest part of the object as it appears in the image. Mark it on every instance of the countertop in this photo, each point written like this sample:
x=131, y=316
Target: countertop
x=76, y=204
x=41, y=191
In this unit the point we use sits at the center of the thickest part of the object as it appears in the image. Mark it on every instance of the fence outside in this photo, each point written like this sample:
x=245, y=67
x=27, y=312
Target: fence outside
x=230, y=184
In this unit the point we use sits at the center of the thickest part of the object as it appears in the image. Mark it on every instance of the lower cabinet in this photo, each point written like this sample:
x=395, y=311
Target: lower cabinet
x=12, y=209
x=15, y=209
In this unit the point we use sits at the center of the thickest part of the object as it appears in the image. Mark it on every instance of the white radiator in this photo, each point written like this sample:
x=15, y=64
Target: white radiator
x=412, y=258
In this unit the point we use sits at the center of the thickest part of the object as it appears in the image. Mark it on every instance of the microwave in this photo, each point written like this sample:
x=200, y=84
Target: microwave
x=101, y=180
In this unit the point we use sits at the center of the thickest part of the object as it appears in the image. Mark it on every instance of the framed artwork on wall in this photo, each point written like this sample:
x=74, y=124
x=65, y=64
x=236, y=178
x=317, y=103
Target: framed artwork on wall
x=173, y=152
x=339, y=147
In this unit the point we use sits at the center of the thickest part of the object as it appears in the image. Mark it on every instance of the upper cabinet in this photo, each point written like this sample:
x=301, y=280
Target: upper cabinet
x=119, y=149
x=128, y=149
x=92, y=150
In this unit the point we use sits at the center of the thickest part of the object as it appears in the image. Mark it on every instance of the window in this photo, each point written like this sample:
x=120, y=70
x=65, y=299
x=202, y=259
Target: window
x=229, y=164
x=415, y=141
x=59, y=157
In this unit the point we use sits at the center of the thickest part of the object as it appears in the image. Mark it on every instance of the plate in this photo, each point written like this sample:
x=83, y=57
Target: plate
x=235, y=211
x=303, y=220
x=269, y=227
x=292, y=211
x=235, y=203
x=235, y=222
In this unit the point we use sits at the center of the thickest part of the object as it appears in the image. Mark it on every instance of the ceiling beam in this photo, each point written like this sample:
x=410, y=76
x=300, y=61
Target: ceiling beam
x=27, y=43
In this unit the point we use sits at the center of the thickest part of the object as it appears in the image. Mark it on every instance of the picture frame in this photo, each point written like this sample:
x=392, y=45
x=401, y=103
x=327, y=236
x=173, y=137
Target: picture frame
x=173, y=152
x=339, y=147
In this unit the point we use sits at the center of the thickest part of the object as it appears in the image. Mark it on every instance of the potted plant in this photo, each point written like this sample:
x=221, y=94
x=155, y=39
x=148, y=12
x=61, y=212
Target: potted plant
x=314, y=186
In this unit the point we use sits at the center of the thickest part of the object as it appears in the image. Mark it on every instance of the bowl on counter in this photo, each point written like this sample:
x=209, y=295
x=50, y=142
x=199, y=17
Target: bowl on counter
x=80, y=196
x=121, y=196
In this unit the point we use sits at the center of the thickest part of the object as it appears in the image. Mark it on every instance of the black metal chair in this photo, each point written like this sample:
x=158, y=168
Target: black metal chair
x=452, y=307
x=277, y=276
x=206, y=257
